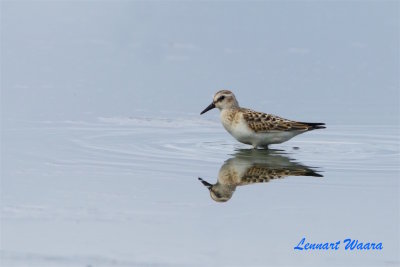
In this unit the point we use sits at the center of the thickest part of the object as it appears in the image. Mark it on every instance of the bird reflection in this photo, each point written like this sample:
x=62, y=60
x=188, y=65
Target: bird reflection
x=250, y=166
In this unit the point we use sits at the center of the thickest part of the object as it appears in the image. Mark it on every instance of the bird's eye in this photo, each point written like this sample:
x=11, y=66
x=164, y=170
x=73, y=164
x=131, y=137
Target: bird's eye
x=221, y=98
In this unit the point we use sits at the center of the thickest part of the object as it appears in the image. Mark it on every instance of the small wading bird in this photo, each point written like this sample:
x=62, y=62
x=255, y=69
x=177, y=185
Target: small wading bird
x=256, y=128
x=249, y=166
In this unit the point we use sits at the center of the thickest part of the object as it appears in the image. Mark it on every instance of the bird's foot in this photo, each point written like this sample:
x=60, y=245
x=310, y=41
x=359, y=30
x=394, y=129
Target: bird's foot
x=262, y=147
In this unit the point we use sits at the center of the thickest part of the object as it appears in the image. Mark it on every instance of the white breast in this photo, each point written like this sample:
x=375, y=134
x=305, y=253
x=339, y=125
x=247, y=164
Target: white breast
x=234, y=123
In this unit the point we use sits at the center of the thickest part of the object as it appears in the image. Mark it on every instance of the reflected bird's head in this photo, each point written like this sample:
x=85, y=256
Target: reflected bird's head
x=223, y=99
x=218, y=192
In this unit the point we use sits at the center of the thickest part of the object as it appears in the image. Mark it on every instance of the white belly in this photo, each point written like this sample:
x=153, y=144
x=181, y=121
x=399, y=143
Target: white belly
x=245, y=135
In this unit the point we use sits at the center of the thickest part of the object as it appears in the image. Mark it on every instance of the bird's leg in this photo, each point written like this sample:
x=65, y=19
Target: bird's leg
x=265, y=147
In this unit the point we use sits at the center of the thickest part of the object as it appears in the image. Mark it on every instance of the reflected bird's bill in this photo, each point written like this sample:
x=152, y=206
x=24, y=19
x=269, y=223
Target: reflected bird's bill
x=205, y=183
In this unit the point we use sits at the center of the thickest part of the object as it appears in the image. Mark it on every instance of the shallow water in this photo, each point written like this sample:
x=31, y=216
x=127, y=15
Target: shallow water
x=126, y=192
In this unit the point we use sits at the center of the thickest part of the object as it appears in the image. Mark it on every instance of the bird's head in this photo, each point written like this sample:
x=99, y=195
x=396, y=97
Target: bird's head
x=223, y=99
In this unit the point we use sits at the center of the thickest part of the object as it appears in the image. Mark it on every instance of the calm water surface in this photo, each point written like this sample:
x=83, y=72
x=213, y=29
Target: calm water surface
x=126, y=192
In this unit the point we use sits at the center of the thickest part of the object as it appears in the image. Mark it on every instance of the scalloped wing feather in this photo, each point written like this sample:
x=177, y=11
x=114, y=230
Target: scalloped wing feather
x=263, y=122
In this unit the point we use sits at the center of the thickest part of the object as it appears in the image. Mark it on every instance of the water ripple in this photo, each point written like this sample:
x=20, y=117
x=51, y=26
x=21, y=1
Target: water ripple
x=136, y=143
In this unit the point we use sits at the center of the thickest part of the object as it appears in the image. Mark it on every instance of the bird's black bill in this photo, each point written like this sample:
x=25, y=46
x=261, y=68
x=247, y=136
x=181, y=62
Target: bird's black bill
x=211, y=106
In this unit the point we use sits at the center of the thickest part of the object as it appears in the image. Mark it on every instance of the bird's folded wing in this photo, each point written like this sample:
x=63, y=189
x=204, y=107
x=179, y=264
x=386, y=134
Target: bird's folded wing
x=262, y=122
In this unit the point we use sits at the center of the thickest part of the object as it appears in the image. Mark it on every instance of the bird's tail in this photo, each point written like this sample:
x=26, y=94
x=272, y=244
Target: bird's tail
x=314, y=125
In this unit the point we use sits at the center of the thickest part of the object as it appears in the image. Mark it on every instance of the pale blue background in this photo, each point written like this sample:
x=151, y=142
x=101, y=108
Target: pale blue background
x=332, y=61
